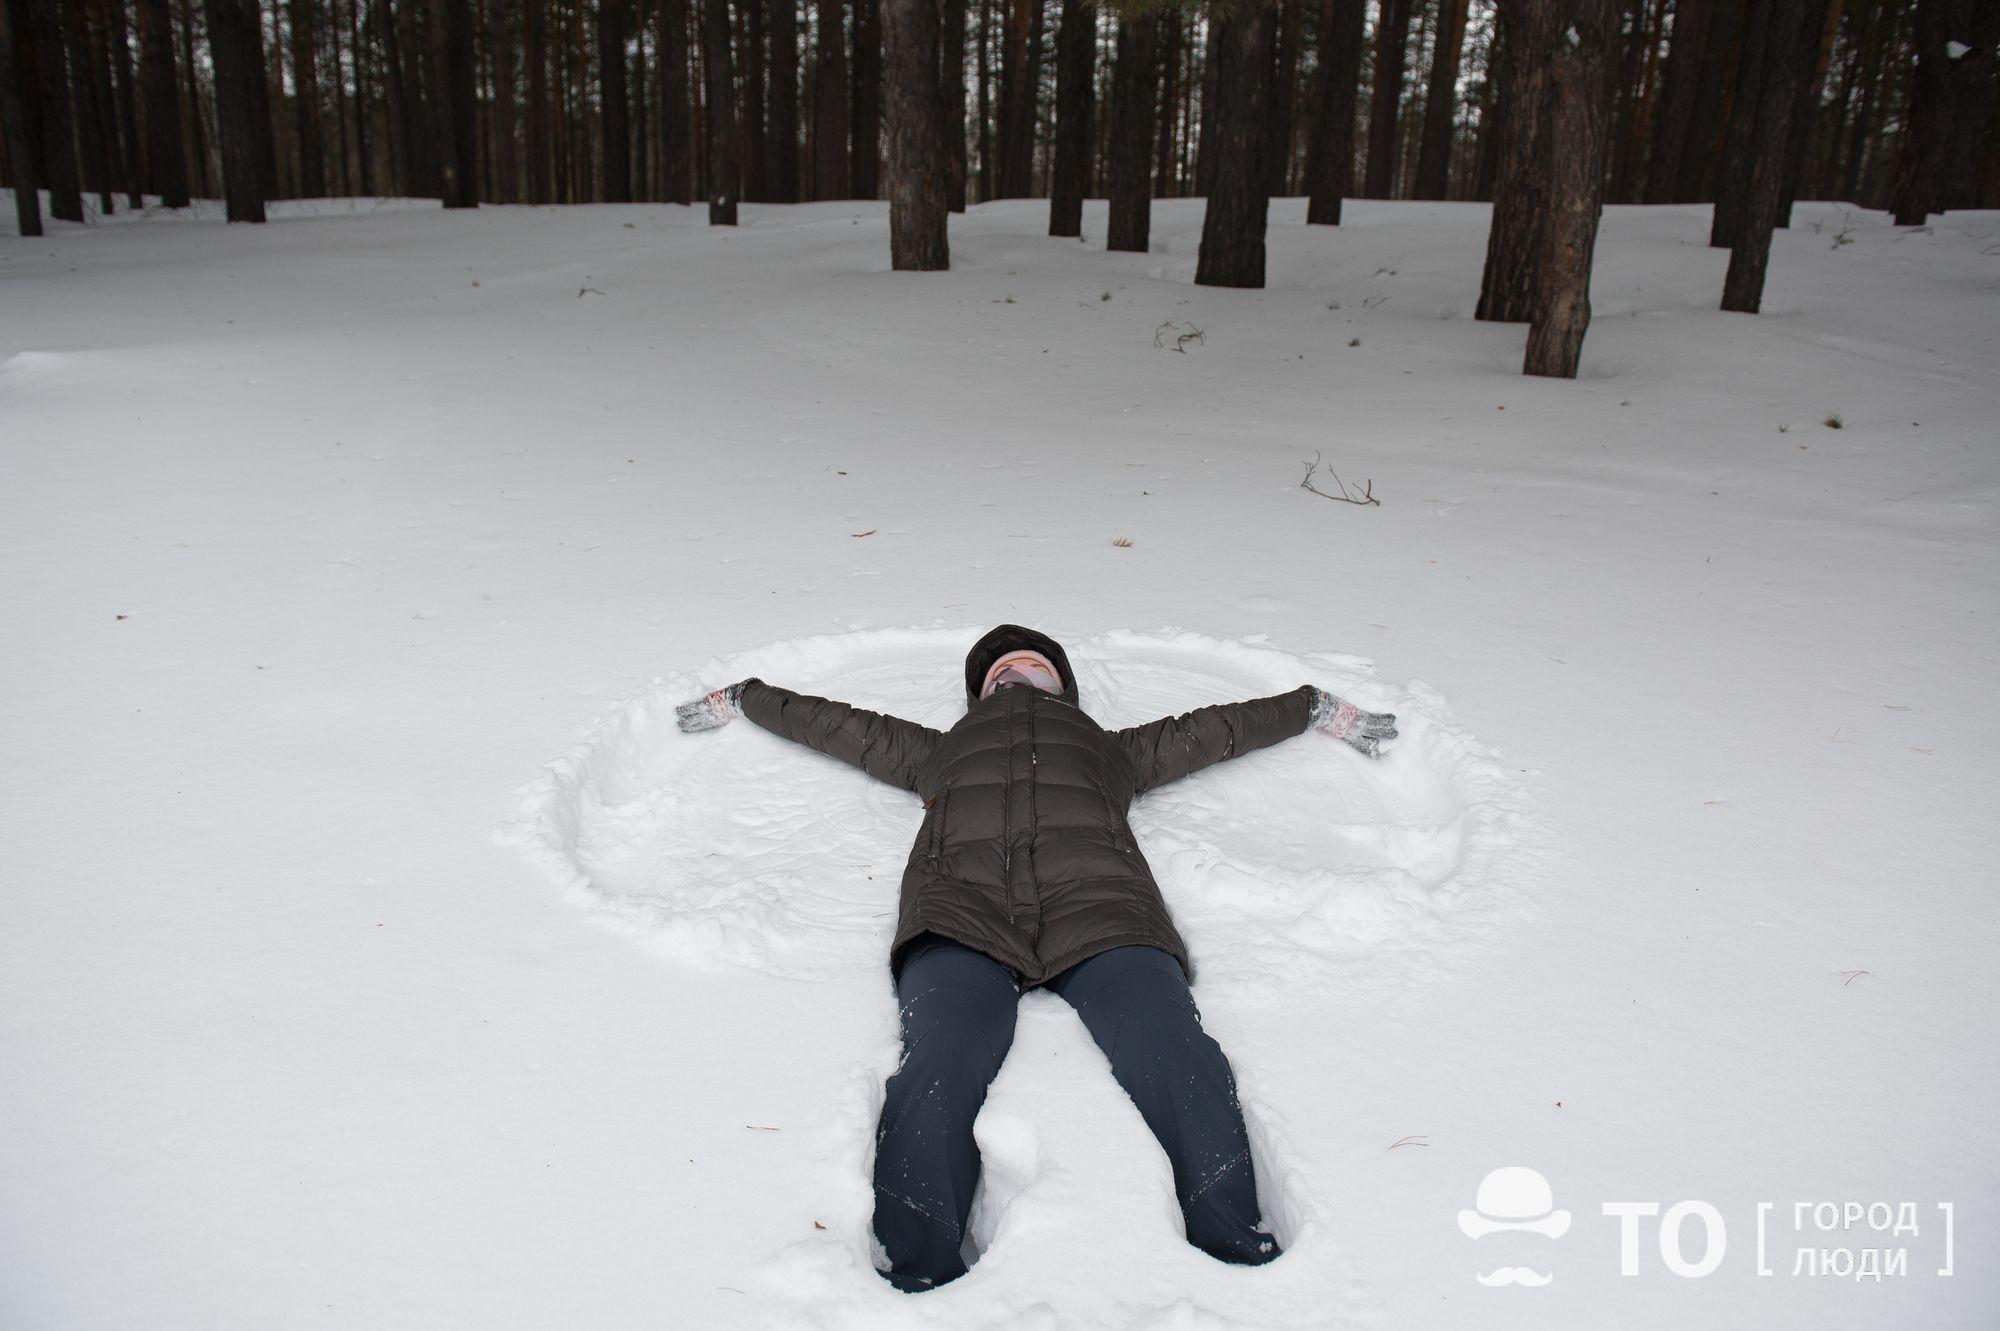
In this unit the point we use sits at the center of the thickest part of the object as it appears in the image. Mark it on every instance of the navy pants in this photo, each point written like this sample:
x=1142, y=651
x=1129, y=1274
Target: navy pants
x=958, y=1022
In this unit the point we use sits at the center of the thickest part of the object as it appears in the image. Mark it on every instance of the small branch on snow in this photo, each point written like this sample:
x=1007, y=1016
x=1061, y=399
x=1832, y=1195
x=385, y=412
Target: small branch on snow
x=1181, y=333
x=1348, y=495
x=1851, y=977
x=1409, y=1141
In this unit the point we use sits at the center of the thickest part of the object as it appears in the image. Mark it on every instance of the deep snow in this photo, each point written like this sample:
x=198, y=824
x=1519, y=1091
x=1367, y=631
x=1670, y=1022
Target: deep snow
x=324, y=537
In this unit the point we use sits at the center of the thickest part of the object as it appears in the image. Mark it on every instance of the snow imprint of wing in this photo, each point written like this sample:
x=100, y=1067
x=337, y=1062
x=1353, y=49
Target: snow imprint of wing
x=1298, y=868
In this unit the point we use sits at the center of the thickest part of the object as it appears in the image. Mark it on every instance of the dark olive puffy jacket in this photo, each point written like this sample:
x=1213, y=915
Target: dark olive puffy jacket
x=1025, y=852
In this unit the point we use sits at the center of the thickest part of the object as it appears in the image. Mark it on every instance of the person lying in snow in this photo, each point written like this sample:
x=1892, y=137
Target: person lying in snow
x=1026, y=873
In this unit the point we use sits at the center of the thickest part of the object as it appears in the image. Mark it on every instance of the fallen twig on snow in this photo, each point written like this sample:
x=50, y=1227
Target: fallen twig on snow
x=1348, y=495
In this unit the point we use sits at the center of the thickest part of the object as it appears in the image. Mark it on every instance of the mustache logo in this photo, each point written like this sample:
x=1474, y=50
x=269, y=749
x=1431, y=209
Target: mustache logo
x=1515, y=1275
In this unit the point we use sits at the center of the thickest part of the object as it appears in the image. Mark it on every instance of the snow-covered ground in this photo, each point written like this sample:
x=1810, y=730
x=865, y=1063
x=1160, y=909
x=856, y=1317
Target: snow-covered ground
x=353, y=563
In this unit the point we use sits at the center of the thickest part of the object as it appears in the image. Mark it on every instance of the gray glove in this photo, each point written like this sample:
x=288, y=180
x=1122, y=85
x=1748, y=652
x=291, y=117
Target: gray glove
x=708, y=713
x=1370, y=732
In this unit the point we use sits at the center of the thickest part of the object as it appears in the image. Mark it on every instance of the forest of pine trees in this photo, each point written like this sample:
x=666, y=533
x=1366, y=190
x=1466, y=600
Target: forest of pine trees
x=1545, y=107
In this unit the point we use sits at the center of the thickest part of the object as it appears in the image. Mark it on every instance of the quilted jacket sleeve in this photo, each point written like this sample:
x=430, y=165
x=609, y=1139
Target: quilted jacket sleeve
x=1174, y=746
x=886, y=747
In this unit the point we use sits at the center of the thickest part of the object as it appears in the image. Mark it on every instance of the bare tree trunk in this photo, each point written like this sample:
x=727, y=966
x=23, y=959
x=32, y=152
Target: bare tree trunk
x=1211, y=77
x=1076, y=52
x=919, y=166
x=14, y=113
x=1732, y=188
x=535, y=56
x=305, y=100
x=1330, y=164
x=1707, y=126
x=719, y=82
x=1792, y=25
x=750, y=95
x=1134, y=80
x=132, y=150
x=865, y=174
x=1522, y=188
x=1171, y=24
x=1232, y=232
x=451, y=46
x=1804, y=111
x=782, y=151
x=676, y=111
x=235, y=43
x=506, y=106
x=92, y=103
x=1676, y=107
x=166, y=159
x=613, y=19
x=1924, y=158
x=830, y=104
x=1579, y=137
x=1279, y=153
x=951, y=84
x=1441, y=104
x=56, y=130
x=1392, y=37
x=989, y=176
x=1018, y=96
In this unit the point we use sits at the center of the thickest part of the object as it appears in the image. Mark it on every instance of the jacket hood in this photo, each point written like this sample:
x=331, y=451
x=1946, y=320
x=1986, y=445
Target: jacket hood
x=1014, y=638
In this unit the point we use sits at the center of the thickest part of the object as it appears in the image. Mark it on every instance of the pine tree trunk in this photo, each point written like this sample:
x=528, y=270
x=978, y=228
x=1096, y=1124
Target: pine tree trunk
x=718, y=69
x=14, y=115
x=1792, y=25
x=506, y=106
x=751, y=44
x=1128, y=174
x=166, y=163
x=1330, y=163
x=1278, y=154
x=92, y=109
x=1677, y=98
x=1171, y=24
x=782, y=150
x=1732, y=188
x=1579, y=139
x=989, y=176
x=1811, y=83
x=1076, y=53
x=1441, y=104
x=1232, y=232
x=919, y=166
x=132, y=151
x=1211, y=77
x=613, y=19
x=403, y=58
x=830, y=104
x=1392, y=37
x=1018, y=95
x=535, y=59
x=1522, y=187
x=451, y=59
x=305, y=101
x=864, y=174
x=676, y=109
x=1922, y=161
x=1708, y=127
x=234, y=43
x=951, y=88
x=57, y=131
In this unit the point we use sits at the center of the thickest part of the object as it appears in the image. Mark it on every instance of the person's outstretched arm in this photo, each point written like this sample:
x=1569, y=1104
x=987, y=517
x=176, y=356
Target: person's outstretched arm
x=886, y=747
x=1174, y=746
